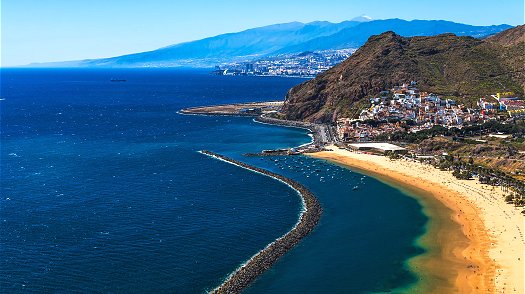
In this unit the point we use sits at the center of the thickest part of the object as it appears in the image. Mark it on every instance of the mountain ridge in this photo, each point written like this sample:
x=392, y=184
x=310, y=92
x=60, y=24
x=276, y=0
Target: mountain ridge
x=348, y=38
x=446, y=64
x=287, y=38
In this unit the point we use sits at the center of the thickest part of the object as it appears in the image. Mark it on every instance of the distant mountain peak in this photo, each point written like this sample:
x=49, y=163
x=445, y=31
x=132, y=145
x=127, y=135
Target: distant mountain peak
x=362, y=18
x=286, y=38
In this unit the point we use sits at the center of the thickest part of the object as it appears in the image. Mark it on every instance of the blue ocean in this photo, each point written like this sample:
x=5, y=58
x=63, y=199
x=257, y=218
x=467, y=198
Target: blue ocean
x=103, y=191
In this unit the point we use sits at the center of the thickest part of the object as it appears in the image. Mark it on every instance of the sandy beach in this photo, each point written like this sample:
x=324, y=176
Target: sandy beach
x=475, y=241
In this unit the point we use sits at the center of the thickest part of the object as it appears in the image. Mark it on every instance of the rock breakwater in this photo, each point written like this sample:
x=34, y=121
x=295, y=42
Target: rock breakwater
x=264, y=259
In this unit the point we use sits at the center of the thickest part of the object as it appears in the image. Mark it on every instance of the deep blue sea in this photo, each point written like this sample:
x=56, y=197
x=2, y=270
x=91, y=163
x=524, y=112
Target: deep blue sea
x=103, y=190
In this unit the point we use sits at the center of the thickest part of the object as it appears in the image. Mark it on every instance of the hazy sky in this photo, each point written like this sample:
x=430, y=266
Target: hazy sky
x=58, y=30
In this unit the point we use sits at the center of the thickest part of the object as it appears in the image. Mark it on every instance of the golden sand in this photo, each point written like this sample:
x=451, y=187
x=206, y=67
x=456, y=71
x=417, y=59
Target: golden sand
x=475, y=240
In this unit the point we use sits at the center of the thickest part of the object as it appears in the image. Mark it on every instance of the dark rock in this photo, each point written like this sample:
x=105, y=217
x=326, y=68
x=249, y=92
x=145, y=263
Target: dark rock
x=263, y=260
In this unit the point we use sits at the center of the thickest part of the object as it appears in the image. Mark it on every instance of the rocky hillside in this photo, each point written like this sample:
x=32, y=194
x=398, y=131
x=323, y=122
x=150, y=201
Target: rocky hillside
x=445, y=64
x=509, y=37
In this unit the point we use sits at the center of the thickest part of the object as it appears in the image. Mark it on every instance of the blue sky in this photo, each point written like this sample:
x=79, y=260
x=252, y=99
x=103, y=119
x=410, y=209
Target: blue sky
x=57, y=30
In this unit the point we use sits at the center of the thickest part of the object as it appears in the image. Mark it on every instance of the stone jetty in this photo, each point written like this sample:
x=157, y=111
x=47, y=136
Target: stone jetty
x=264, y=259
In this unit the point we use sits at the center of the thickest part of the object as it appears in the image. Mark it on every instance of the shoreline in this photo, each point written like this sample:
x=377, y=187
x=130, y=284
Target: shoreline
x=309, y=217
x=234, y=109
x=320, y=133
x=474, y=240
x=314, y=131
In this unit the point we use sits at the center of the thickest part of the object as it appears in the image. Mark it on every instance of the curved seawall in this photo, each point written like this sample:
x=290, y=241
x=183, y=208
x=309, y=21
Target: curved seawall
x=264, y=259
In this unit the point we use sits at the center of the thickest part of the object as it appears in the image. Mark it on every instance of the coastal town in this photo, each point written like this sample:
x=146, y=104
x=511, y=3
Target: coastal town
x=483, y=142
x=306, y=64
x=405, y=108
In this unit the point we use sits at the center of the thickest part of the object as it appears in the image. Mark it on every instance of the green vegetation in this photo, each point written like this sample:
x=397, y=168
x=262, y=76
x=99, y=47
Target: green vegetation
x=355, y=109
x=517, y=129
x=466, y=170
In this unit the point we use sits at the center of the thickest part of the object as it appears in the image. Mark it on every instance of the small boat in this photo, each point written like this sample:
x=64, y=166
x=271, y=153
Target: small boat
x=117, y=80
x=355, y=188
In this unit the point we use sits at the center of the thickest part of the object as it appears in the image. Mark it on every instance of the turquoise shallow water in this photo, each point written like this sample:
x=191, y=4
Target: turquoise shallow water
x=102, y=190
x=360, y=237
